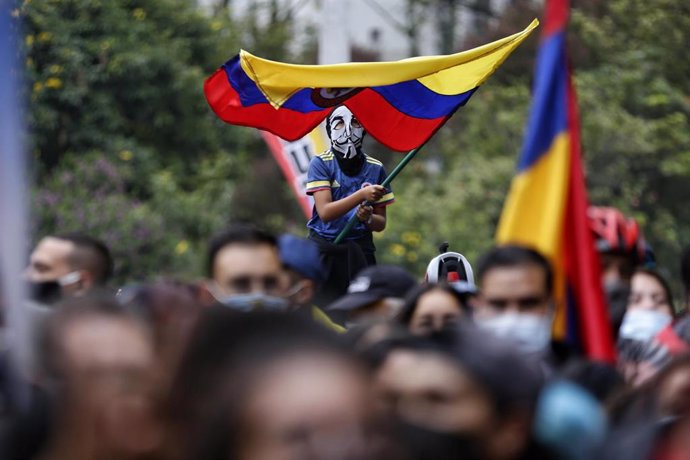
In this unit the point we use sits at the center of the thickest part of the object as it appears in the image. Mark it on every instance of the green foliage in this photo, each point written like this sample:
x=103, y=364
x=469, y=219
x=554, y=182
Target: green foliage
x=128, y=150
x=89, y=194
x=636, y=117
x=107, y=74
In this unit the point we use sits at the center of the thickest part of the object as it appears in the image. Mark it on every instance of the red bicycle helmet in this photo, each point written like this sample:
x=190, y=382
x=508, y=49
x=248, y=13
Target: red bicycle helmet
x=615, y=233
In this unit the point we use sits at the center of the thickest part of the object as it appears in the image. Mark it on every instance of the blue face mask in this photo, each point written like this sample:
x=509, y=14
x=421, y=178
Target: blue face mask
x=570, y=421
x=254, y=301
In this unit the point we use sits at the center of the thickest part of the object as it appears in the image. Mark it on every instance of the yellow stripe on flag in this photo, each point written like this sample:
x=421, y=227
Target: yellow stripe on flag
x=534, y=212
x=450, y=74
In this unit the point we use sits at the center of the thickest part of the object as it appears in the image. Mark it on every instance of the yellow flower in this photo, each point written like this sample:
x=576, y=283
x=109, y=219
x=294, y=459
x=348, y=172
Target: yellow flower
x=216, y=25
x=126, y=155
x=55, y=68
x=53, y=83
x=45, y=36
x=411, y=238
x=139, y=14
x=397, y=249
x=38, y=87
x=29, y=40
x=182, y=247
x=412, y=257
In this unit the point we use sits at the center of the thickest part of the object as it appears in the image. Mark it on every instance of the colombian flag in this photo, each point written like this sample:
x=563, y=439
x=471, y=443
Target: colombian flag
x=547, y=205
x=401, y=104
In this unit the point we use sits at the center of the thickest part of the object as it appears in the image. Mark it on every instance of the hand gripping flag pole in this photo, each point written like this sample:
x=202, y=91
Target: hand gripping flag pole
x=397, y=170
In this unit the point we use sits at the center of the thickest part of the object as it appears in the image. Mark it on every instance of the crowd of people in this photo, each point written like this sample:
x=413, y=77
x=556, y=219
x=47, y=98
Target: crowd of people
x=295, y=348
x=248, y=364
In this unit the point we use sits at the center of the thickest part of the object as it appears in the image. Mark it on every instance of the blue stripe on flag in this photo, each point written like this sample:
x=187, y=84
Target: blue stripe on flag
x=548, y=117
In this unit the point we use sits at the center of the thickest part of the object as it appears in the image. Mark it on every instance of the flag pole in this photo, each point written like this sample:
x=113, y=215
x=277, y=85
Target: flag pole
x=398, y=168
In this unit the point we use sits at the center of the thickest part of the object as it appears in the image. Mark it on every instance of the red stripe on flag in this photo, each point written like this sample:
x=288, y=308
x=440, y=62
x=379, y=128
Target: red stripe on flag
x=555, y=16
x=389, y=126
x=288, y=124
x=384, y=122
x=582, y=261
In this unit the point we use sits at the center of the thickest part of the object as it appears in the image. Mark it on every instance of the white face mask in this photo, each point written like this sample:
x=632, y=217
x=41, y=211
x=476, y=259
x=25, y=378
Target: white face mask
x=530, y=333
x=70, y=278
x=643, y=325
x=346, y=132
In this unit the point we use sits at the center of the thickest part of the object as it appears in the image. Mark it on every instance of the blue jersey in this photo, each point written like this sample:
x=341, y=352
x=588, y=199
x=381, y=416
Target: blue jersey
x=325, y=173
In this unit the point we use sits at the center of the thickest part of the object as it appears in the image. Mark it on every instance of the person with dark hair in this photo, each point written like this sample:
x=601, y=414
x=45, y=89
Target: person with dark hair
x=646, y=339
x=271, y=386
x=516, y=297
x=650, y=306
x=650, y=291
x=344, y=183
x=244, y=269
x=460, y=396
x=240, y=234
x=516, y=257
x=433, y=307
x=77, y=262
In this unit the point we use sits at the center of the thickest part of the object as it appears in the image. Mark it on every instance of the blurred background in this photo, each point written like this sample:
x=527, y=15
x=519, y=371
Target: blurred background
x=126, y=149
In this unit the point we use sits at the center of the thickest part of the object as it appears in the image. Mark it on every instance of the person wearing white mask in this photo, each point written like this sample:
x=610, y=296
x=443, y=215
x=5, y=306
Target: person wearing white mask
x=650, y=306
x=345, y=182
x=646, y=325
x=76, y=262
x=515, y=301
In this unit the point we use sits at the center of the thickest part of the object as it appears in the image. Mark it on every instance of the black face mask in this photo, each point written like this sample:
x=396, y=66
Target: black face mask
x=421, y=443
x=350, y=166
x=45, y=292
